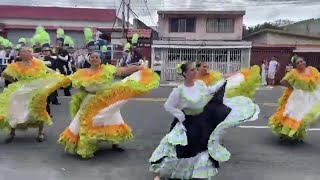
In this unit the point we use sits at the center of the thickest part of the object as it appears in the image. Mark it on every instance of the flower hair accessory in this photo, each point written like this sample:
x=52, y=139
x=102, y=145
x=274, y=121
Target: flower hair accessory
x=178, y=69
x=294, y=59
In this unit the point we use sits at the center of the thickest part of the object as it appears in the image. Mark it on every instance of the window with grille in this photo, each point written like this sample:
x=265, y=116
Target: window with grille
x=182, y=25
x=220, y=25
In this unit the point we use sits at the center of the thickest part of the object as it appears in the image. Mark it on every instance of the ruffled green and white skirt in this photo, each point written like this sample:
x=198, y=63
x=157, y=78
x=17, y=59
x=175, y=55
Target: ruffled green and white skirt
x=164, y=160
x=23, y=103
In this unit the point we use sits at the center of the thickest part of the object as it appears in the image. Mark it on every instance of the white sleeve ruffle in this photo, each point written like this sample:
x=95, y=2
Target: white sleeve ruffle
x=172, y=103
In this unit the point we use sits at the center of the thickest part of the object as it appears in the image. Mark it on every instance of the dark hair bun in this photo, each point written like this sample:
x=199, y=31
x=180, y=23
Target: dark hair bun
x=182, y=68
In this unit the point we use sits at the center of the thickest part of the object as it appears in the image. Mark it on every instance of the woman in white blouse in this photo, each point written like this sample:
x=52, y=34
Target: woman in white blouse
x=191, y=149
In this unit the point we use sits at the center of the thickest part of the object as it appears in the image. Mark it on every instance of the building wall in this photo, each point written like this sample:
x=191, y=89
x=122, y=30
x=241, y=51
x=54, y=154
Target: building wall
x=290, y=40
x=281, y=39
x=309, y=27
x=200, y=34
x=56, y=23
x=258, y=39
x=77, y=36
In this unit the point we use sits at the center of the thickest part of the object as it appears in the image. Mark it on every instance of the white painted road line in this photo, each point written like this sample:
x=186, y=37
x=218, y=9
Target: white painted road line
x=266, y=127
x=254, y=127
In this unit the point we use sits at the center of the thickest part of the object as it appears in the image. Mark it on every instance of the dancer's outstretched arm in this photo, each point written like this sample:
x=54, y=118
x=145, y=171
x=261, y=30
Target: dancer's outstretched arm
x=127, y=70
x=7, y=77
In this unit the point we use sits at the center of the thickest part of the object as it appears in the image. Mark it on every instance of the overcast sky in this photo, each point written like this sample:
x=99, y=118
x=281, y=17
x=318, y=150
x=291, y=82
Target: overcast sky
x=257, y=11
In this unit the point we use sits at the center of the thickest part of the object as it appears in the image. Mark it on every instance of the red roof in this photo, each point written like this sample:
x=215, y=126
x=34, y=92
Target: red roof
x=57, y=13
x=143, y=33
x=67, y=28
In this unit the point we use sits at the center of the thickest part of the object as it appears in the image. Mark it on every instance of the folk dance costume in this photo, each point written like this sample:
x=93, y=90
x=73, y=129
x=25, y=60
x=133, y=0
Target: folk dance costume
x=243, y=83
x=23, y=103
x=240, y=85
x=96, y=108
x=191, y=149
x=299, y=106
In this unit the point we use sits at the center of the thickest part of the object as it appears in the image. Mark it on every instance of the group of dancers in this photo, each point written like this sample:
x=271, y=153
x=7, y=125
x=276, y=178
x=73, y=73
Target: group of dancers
x=204, y=106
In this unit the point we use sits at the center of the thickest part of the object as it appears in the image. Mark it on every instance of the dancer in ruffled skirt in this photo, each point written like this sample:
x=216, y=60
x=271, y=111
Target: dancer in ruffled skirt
x=299, y=106
x=191, y=149
x=24, y=102
x=96, y=107
x=242, y=83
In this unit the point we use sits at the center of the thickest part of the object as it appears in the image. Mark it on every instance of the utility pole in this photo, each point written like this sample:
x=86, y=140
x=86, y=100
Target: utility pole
x=128, y=14
x=123, y=19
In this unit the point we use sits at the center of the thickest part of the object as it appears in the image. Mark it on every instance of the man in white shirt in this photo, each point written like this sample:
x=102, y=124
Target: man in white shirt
x=272, y=70
x=157, y=66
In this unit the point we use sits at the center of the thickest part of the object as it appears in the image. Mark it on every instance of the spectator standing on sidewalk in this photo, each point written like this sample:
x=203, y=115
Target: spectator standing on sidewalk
x=272, y=70
x=157, y=66
x=264, y=72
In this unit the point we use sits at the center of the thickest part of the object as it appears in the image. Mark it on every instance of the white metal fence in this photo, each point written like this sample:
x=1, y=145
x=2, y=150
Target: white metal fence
x=221, y=60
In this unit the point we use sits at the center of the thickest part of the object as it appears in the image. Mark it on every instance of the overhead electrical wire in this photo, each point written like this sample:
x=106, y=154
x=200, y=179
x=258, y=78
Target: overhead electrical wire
x=114, y=22
x=146, y=3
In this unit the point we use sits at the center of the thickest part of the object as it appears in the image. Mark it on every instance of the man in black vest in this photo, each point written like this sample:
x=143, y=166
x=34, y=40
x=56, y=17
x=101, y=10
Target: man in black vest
x=136, y=56
x=51, y=62
x=63, y=59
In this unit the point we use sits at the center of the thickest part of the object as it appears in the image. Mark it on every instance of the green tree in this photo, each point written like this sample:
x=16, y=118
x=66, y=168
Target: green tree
x=267, y=25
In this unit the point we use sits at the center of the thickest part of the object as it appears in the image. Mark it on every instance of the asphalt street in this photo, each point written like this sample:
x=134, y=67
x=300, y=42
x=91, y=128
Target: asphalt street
x=256, y=153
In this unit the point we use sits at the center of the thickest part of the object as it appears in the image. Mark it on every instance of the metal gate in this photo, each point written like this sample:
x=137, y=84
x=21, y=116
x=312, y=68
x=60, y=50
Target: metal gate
x=221, y=60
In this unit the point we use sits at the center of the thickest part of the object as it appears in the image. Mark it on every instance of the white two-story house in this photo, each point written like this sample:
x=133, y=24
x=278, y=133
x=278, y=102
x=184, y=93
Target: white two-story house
x=212, y=36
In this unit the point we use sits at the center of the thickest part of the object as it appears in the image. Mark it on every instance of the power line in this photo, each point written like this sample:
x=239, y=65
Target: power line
x=146, y=3
x=114, y=22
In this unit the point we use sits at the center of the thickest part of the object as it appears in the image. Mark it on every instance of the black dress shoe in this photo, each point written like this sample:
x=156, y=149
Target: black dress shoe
x=9, y=140
x=116, y=148
x=40, y=138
